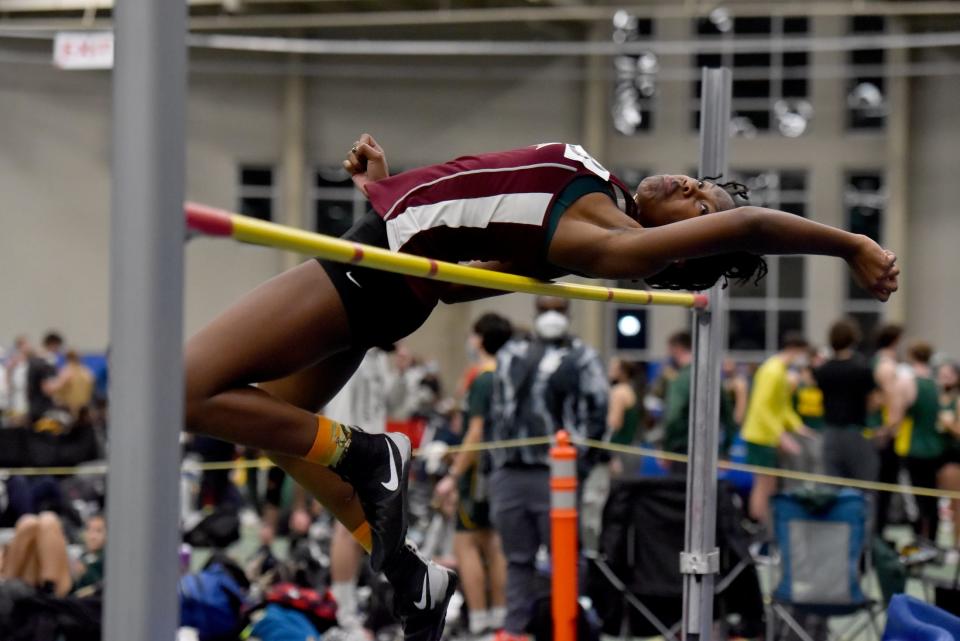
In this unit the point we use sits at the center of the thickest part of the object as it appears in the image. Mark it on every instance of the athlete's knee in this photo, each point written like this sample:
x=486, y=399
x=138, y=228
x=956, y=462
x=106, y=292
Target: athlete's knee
x=26, y=525
x=49, y=522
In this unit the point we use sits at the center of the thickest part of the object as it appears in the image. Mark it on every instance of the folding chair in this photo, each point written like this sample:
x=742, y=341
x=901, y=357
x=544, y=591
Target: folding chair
x=634, y=579
x=821, y=540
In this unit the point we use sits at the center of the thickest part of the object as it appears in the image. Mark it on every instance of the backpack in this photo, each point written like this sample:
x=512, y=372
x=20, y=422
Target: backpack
x=210, y=602
x=320, y=608
x=277, y=623
x=218, y=529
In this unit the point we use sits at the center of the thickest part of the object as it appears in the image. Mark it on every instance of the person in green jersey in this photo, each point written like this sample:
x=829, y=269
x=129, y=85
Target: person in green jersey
x=948, y=380
x=624, y=409
x=917, y=439
x=676, y=423
x=476, y=545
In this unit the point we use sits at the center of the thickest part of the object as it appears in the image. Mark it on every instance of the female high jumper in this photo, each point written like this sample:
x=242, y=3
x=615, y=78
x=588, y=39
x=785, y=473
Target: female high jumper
x=259, y=372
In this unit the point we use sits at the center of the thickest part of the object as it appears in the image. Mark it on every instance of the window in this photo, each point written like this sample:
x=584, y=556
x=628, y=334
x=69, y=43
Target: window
x=336, y=203
x=864, y=201
x=770, y=89
x=629, y=324
x=866, y=97
x=761, y=314
x=256, y=191
x=631, y=329
x=634, y=85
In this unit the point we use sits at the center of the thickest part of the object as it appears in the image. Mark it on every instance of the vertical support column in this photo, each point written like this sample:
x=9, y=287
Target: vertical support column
x=146, y=320
x=563, y=538
x=894, y=233
x=294, y=155
x=699, y=562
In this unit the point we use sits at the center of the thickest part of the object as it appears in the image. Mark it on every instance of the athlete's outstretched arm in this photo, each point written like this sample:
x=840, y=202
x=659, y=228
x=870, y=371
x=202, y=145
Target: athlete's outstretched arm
x=591, y=241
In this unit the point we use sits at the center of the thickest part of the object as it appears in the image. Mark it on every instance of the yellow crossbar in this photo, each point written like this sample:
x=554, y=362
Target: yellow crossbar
x=217, y=222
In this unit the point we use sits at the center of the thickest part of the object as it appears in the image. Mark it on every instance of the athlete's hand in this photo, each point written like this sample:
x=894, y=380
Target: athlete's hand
x=874, y=268
x=366, y=162
x=790, y=445
x=446, y=487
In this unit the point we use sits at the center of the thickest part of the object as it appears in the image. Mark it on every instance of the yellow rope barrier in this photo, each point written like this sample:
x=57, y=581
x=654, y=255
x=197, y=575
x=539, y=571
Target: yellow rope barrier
x=794, y=475
x=263, y=463
x=251, y=230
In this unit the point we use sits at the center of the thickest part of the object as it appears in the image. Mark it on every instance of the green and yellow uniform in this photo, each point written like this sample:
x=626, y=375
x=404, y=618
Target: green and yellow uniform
x=808, y=403
x=676, y=422
x=473, y=512
x=918, y=436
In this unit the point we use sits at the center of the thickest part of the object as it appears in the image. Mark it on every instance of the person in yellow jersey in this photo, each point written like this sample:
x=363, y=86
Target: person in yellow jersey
x=916, y=437
x=771, y=421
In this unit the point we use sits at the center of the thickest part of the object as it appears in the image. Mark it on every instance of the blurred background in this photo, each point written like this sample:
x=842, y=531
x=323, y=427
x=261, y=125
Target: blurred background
x=841, y=115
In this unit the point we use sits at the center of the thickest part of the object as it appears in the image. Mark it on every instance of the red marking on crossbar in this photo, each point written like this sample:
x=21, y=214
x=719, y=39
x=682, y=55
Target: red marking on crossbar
x=208, y=220
x=701, y=301
x=609, y=294
x=649, y=298
x=433, y=268
x=357, y=254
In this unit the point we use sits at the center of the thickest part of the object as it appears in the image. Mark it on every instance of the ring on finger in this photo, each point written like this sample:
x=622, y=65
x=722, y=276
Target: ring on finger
x=353, y=149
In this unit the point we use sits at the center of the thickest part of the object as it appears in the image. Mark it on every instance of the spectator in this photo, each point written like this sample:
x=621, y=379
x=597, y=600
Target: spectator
x=846, y=381
x=886, y=371
x=38, y=555
x=948, y=380
x=543, y=385
x=808, y=397
x=736, y=388
x=476, y=544
x=52, y=351
x=676, y=422
x=771, y=421
x=72, y=387
x=916, y=438
x=17, y=368
x=41, y=368
x=623, y=415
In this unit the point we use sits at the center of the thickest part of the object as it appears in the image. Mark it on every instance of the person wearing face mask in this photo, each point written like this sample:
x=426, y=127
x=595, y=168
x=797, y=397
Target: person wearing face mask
x=549, y=382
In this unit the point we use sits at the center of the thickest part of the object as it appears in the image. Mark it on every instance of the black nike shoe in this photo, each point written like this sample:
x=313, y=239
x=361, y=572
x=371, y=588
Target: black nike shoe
x=421, y=593
x=378, y=467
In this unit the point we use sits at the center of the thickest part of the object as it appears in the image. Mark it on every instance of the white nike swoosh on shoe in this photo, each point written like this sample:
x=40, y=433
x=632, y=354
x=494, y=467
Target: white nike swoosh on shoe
x=394, y=482
x=422, y=603
x=353, y=280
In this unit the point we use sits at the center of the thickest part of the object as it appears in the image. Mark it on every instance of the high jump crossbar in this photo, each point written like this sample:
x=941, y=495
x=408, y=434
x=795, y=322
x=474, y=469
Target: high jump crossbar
x=217, y=222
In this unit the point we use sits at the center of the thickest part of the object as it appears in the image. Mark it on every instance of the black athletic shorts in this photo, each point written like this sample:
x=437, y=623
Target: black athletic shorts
x=381, y=307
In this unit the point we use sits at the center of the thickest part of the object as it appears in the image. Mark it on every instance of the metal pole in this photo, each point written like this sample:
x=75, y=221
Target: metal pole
x=146, y=311
x=700, y=560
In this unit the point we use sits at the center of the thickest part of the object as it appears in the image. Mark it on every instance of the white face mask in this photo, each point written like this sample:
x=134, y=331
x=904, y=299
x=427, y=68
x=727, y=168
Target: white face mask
x=551, y=325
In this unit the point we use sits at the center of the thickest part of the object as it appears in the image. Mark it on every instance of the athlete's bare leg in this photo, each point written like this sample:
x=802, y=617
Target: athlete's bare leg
x=287, y=324
x=496, y=567
x=37, y=555
x=310, y=389
x=473, y=571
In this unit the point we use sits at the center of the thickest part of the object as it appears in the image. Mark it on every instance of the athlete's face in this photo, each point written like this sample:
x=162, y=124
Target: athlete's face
x=668, y=199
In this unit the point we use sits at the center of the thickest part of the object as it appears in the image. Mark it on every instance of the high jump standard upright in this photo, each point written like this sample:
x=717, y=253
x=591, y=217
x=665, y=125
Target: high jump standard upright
x=700, y=560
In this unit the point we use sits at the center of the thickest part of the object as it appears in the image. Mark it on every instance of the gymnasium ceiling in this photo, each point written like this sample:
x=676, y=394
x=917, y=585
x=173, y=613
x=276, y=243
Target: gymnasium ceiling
x=447, y=19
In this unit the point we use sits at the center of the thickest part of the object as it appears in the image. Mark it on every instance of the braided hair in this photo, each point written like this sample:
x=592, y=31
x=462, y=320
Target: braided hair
x=698, y=274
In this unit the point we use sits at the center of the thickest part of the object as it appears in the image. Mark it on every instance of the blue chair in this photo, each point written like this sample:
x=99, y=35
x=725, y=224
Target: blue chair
x=821, y=541
x=909, y=619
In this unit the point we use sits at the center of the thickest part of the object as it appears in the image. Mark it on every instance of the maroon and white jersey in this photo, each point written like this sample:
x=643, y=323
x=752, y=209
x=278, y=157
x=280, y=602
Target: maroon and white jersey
x=487, y=207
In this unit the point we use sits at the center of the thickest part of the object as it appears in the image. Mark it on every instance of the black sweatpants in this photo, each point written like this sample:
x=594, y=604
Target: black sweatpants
x=923, y=473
